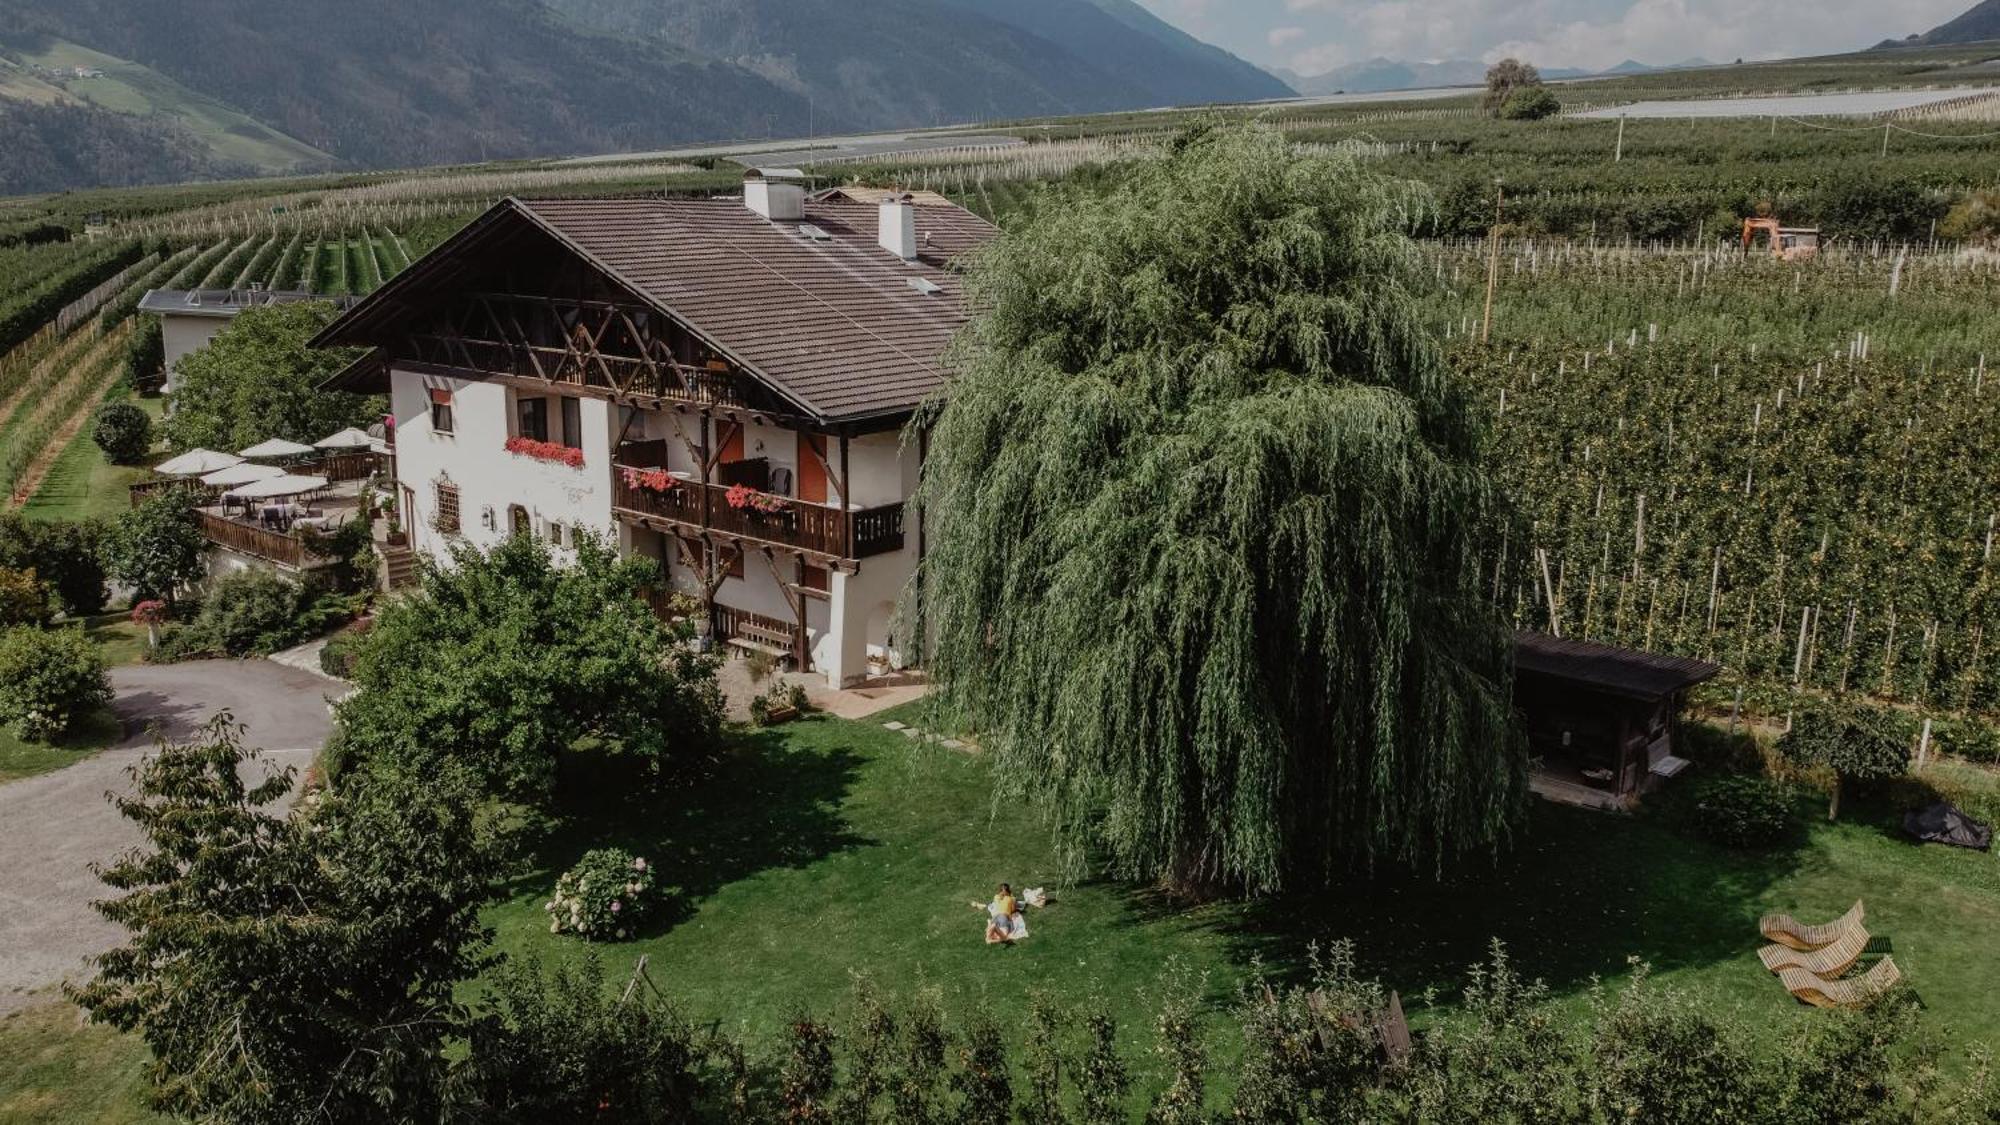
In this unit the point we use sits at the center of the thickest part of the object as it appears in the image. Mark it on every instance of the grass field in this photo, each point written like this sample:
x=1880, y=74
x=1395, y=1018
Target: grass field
x=828, y=850
x=130, y=87
x=20, y=758
x=57, y=1070
x=82, y=484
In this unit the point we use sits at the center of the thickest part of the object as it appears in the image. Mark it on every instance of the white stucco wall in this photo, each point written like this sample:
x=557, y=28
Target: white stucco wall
x=844, y=632
x=180, y=335
x=489, y=479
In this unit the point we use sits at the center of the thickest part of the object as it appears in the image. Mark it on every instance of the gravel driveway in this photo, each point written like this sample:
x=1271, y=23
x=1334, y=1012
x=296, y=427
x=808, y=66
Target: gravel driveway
x=53, y=826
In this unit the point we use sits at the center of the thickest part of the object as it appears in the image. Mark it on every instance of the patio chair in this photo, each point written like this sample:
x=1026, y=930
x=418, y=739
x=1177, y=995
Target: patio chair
x=1787, y=930
x=1823, y=993
x=1826, y=961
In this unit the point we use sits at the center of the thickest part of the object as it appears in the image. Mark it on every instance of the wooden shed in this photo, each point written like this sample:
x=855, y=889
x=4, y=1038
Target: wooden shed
x=1603, y=722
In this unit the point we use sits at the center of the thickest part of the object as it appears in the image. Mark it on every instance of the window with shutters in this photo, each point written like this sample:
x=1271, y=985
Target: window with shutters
x=441, y=420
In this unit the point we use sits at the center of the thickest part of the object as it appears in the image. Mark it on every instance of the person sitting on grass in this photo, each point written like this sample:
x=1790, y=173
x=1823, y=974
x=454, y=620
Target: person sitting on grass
x=1004, y=924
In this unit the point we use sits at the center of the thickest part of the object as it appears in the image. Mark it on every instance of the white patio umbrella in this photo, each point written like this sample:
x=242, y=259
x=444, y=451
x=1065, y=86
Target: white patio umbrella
x=247, y=472
x=286, y=485
x=195, y=462
x=277, y=447
x=349, y=438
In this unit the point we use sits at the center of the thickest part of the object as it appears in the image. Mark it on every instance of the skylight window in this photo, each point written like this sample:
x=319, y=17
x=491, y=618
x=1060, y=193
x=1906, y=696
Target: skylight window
x=813, y=233
x=926, y=286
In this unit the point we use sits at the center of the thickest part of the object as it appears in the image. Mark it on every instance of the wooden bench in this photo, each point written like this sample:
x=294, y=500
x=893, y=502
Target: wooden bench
x=755, y=636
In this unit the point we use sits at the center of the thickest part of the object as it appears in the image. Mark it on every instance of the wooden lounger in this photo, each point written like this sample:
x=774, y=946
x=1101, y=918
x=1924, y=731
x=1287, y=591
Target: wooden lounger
x=1823, y=993
x=1787, y=930
x=1828, y=961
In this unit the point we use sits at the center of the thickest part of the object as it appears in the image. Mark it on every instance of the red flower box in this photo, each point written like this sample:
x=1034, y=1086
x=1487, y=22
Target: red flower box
x=741, y=496
x=553, y=451
x=653, y=480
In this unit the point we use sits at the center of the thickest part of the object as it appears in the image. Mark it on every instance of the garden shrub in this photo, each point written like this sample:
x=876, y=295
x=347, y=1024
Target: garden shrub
x=251, y=611
x=604, y=897
x=124, y=432
x=49, y=678
x=1741, y=811
x=337, y=658
x=1531, y=103
x=564, y=1046
x=64, y=554
x=24, y=598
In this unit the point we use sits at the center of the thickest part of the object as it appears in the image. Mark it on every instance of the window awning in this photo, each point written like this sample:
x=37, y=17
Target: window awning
x=441, y=396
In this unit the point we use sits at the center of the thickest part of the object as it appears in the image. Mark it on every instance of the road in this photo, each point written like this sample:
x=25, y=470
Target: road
x=52, y=827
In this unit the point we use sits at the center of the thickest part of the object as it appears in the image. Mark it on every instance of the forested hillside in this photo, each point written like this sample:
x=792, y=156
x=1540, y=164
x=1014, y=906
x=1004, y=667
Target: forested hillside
x=412, y=82
x=399, y=83
x=50, y=147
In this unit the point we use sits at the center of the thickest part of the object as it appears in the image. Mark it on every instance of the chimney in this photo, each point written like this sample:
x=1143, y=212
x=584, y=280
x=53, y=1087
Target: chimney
x=899, y=226
x=776, y=200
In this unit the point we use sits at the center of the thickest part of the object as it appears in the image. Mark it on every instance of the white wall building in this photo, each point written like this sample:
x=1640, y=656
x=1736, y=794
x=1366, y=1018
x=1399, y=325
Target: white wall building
x=720, y=385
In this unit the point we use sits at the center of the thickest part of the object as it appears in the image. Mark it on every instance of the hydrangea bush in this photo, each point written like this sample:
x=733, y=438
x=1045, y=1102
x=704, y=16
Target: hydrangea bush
x=604, y=897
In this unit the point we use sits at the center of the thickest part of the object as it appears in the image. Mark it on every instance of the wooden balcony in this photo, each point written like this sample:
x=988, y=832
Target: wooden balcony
x=797, y=525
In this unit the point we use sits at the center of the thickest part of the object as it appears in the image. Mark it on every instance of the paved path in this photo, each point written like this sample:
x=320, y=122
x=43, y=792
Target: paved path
x=53, y=826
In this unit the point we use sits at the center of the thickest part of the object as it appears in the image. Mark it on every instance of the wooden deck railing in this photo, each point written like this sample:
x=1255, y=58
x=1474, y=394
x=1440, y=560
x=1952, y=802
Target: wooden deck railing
x=145, y=489
x=339, y=467
x=796, y=524
x=249, y=539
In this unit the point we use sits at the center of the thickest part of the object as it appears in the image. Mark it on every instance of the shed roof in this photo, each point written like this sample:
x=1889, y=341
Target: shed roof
x=834, y=324
x=1608, y=668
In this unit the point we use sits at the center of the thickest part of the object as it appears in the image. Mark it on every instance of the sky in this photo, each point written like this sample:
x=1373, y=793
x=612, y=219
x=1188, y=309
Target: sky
x=1315, y=36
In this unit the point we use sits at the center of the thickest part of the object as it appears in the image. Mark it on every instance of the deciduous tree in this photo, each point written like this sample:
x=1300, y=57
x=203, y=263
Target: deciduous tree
x=1504, y=78
x=1858, y=742
x=157, y=547
x=258, y=379
x=1204, y=523
x=291, y=968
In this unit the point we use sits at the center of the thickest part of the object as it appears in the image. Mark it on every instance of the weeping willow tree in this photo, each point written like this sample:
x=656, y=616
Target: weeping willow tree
x=1204, y=520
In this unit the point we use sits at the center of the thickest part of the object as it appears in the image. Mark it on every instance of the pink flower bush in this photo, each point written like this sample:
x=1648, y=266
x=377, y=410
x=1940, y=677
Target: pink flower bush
x=553, y=451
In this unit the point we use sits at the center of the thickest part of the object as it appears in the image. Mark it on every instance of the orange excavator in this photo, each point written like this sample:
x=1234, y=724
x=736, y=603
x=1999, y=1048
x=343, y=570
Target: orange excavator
x=1788, y=244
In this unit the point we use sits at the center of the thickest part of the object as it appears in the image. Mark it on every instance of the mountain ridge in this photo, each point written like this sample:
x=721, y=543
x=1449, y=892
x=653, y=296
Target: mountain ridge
x=401, y=83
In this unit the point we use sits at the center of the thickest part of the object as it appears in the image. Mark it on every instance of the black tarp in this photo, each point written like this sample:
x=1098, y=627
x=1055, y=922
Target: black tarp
x=1941, y=823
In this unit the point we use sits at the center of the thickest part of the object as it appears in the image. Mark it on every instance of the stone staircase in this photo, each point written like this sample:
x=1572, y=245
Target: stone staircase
x=399, y=567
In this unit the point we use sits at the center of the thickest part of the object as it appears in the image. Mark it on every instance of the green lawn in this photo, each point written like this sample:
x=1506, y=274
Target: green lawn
x=20, y=758
x=118, y=639
x=833, y=848
x=57, y=1070
x=82, y=484
x=828, y=849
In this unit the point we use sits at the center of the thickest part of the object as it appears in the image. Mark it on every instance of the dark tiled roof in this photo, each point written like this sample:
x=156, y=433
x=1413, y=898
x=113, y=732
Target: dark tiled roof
x=226, y=302
x=1620, y=671
x=834, y=324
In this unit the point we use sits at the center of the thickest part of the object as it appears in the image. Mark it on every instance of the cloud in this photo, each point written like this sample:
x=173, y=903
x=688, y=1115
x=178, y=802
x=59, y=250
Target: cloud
x=1316, y=35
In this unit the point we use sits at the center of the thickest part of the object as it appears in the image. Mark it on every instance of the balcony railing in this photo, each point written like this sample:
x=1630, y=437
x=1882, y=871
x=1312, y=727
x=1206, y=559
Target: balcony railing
x=795, y=524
